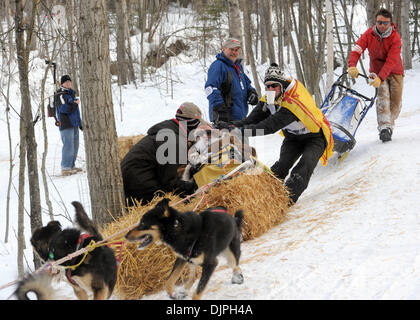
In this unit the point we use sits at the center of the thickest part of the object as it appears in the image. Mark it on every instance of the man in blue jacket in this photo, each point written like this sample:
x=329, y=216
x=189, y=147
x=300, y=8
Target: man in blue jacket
x=228, y=88
x=68, y=115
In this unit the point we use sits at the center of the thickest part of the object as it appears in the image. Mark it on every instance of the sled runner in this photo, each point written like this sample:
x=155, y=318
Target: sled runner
x=345, y=109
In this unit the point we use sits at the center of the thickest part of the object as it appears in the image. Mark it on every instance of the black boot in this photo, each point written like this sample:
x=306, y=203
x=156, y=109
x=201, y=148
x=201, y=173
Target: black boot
x=385, y=135
x=296, y=186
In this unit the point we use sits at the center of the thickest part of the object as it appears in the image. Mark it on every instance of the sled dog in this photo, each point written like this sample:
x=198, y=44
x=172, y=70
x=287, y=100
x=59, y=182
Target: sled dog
x=98, y=272
x=196, y=239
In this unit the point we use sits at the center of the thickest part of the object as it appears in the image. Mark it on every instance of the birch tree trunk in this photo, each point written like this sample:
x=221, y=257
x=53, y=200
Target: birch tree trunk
x=103, y=166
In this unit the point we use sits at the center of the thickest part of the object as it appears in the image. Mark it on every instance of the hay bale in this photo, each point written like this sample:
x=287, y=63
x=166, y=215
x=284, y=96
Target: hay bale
x=263, y=199
x=126, y=143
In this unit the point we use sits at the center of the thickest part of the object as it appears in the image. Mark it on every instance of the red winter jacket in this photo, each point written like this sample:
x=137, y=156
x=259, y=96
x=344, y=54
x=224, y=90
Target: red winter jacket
x=385, y=54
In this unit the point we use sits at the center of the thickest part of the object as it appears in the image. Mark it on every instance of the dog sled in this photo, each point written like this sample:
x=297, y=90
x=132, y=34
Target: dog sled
x=345, y=109
x=217, y=156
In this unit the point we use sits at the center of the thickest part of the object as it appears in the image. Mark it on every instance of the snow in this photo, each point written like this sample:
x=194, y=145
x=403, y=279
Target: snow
x=353, y=234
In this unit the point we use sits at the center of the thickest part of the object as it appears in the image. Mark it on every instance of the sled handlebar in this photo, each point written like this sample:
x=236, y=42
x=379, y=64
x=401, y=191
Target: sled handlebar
x=338, y=83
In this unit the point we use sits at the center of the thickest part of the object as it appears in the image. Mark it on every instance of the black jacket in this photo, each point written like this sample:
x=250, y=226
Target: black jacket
x=261, y=118
x=142, y=172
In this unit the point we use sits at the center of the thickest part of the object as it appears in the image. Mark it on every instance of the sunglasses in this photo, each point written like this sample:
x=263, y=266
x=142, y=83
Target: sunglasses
x=273, y=85
x=385, y=23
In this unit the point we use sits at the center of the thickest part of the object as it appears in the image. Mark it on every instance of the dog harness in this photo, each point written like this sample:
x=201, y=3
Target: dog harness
x=81, y=239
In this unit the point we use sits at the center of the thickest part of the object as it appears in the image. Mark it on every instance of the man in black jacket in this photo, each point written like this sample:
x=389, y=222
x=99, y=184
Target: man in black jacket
x=293, y=111
x=152, y=165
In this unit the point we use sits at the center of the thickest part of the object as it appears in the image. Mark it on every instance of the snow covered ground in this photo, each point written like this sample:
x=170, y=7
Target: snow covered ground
x=354, y=233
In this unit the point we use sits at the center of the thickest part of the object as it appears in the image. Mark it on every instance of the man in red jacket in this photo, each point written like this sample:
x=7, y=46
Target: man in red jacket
x=386, y=69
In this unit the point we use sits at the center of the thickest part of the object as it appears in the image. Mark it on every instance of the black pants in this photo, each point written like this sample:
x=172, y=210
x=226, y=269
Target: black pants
x=309, y=147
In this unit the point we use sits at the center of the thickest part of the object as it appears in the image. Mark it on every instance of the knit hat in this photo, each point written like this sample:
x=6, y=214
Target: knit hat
x=231, y=43
x=65, y=78
x=275, y=74
x=189, y=112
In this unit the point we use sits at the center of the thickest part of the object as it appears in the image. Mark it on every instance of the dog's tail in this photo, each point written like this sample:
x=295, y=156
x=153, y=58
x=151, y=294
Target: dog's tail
x=39, y=284
x=84, y=222
x=239, y=217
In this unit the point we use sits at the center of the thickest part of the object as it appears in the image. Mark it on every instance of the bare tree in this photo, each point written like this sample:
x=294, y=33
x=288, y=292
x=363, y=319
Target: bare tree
x=311, y=47
x=71, y=41
x=8, y=12
x=22, y=51
x=416, y=29
x=6, y=96
x=280, y=38
x=103, y=166
x=235, y=25
x=248, y=46
x=372, y=6
x=266, y=8
x=405, y=35
x=330, y=43
x=156, y=9
x=263, y=33
x=121, y=9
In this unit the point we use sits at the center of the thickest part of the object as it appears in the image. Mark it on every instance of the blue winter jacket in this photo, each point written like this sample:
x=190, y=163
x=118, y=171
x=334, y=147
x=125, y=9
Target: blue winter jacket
x=68, y=112
x=217, y=74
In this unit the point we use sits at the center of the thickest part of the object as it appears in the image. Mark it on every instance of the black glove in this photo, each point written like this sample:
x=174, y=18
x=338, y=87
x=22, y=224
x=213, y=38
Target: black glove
x=224, y=125
x=220, y=113
x=252, y=97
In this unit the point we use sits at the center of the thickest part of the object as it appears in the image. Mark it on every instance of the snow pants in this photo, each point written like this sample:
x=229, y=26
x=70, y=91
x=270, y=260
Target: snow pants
x=388, y=102
x=309, y=148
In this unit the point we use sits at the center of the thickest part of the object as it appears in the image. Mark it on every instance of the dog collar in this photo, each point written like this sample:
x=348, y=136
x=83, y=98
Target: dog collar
x=82, y=238
x=219, y=210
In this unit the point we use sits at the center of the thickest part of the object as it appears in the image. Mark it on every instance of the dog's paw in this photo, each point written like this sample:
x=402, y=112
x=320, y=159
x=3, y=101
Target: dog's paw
x=237, y=278
x=179, y=295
